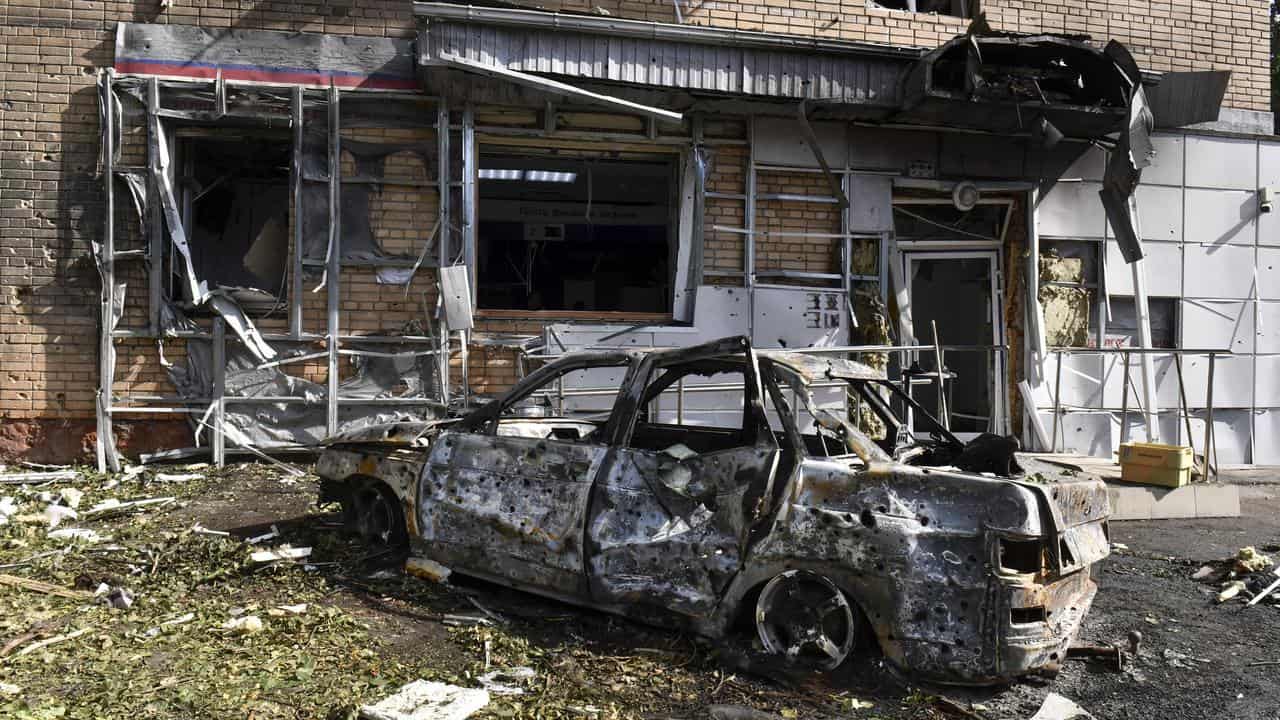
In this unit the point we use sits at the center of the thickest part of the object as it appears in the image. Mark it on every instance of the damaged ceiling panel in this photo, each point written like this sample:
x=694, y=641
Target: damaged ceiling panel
x=1007, y=82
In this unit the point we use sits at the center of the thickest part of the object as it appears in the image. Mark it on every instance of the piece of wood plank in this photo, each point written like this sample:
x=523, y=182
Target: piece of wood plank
x=42, y=587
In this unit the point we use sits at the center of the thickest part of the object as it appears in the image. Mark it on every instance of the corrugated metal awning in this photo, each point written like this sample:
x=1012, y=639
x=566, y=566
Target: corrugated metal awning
x=664, y=56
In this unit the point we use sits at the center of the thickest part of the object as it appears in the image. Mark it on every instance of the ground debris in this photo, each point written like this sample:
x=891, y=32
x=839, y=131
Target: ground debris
x=428, y=700
x=41, y=587
x=1249, y=560
x=1057, y=707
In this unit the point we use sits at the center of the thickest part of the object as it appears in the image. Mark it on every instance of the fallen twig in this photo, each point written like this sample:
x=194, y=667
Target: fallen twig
x=51, y=641
x=41, y=587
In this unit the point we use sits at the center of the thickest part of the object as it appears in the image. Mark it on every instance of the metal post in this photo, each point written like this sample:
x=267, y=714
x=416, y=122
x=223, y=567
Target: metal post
x=1182, y=398
x=1210, y=451
x=155, y=231
x=1150, y=406
x=943, y=415
x=105, y=444
x=749, y=239
x=295, y=300
x=442, y=240
x=217, y=438
x=469, y=170
x=1124, y=402
x=1057, y=404
x=335, y=254
x=680, y=401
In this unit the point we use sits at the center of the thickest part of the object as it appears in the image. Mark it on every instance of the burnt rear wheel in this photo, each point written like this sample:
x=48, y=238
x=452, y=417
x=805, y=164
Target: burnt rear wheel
x=805, y=619
x=375, y=515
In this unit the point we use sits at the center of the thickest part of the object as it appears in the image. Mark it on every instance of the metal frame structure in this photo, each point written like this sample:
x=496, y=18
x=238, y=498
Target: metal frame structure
x=159, y=255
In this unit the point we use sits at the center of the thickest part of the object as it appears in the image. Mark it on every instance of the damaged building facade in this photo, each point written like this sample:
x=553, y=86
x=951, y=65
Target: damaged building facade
x=251, y=227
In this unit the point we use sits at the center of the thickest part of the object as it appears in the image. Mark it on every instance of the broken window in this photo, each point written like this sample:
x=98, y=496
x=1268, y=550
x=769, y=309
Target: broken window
x=577, y=234
x=236, y=211
x=921, y=219
x=955, y=8
x=1069, y=292
x=1122, y=328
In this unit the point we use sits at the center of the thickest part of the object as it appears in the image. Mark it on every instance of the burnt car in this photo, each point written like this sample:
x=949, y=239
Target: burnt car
x=776, y=512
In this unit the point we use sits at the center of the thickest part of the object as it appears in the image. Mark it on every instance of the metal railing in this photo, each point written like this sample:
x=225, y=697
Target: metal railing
x=1210, y=468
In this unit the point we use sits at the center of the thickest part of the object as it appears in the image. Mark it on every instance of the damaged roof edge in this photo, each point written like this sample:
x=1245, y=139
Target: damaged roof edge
x=650, y=30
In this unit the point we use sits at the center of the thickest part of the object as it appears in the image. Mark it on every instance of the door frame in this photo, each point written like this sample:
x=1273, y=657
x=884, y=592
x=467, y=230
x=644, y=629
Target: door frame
x=998, y=422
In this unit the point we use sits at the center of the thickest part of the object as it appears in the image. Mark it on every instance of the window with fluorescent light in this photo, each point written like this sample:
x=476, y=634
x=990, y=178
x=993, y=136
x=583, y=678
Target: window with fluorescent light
x=585, y=234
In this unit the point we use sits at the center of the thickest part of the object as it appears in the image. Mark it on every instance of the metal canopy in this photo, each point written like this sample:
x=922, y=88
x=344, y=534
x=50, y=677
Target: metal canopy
x=1009, y=82
x=547, y=85
x=670, y=57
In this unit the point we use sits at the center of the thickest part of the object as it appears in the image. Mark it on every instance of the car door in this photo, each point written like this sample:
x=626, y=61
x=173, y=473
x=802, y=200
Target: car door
x=669, y=520
x=507, y=507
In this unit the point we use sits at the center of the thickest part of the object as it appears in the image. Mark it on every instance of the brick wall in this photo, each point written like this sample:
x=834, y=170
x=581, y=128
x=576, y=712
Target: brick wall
x=1162, y=35
x=51, y=198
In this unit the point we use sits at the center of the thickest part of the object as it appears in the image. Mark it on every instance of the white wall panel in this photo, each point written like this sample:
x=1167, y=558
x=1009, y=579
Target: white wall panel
x=1160, y=212
x=1266, y=437
x=871, y=203
x=721, y=311
x=1081, y=381
x=1267, y=377
x=1218, y=271
x=1215, y=217
x=1113, y=381
x=1268, y=163
x=784, y=317
x=1166, y=169
x=1217, y=325
x=1166, y=424
x=1216, y=162
x=1072, y=209
x=1163, y=262
x=1232, y=380
x=1269, y=226
x=1231, y=429
x=1085, y=433
x=1269, y=273
x=1268, y=337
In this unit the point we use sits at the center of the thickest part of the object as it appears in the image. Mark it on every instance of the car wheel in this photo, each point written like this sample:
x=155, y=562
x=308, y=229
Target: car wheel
x=377, y=516
x=804, y=618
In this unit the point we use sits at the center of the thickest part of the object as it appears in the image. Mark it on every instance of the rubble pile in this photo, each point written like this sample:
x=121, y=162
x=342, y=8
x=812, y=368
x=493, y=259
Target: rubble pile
x=1251, y=577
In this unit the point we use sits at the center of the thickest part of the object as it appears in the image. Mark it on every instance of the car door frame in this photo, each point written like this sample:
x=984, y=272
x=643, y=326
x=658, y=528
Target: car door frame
x=625, y=418
x=475, y=556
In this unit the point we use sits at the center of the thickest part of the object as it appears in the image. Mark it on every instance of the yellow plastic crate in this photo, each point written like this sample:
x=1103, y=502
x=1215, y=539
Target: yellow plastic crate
x=1155, y=464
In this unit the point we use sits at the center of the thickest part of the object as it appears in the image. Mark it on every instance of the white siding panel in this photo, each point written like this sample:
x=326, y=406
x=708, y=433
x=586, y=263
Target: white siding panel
x=1268, y=337
x=1269, y=273
x=1163, y=267
x=1219, y=271
x=1215, y=162
x=1266, y=437
x=1232, y=380
x=1160, y=212
x=1267, y=376
x=1215, y=217
x=1072, y=209
x=1217, y=325
x=1166, y=169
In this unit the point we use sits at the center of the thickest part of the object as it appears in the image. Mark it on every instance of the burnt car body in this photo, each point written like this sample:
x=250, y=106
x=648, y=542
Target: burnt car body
x=787, y=516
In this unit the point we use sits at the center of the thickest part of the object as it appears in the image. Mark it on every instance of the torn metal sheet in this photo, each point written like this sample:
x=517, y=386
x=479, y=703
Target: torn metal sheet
x=276, y=424
x=1133, y=152
x=258, y=56
x=963, y=570
x=430, y=59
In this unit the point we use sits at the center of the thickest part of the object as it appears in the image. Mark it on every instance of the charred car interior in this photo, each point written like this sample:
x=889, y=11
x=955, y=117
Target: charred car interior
x=780, y=513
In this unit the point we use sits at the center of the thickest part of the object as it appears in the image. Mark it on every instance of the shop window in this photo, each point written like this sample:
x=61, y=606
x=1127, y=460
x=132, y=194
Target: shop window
x=236, y=193
x=1069, y=291
x=1122, y=328
x=575, y=234
x=955, y=8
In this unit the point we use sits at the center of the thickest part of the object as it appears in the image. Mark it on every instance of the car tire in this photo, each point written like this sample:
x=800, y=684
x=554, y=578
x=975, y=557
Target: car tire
x=807, y=620
x=375, y=515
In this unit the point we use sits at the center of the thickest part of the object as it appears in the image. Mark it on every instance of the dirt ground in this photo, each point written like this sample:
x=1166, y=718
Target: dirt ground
x=367, y=628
